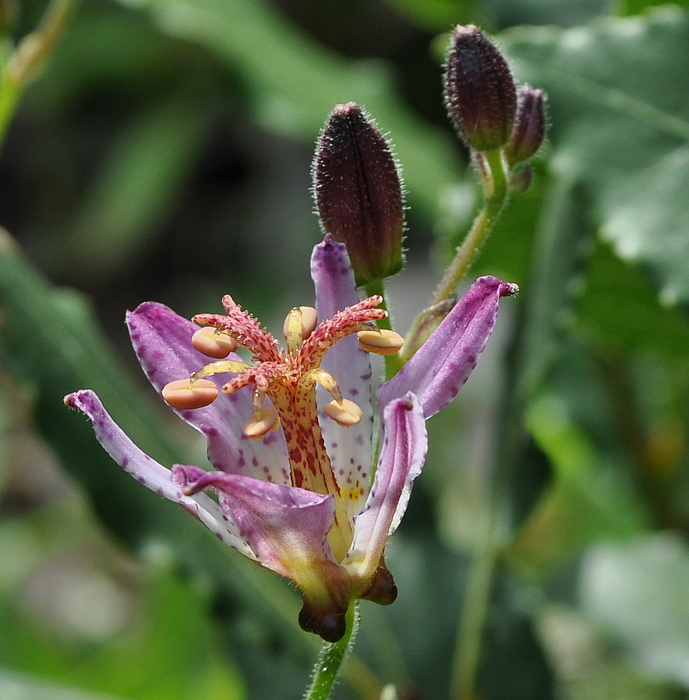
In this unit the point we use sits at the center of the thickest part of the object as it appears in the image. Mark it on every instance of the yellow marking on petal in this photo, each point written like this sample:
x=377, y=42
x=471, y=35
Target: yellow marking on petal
x=353, y=493
x=380, y=341
x=183, y=394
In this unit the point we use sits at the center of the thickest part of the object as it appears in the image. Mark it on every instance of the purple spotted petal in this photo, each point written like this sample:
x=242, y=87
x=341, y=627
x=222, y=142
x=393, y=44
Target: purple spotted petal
x=287, y=528
x=402, y=455
x=162, y=342
x=152, y=474
x=444, y=362
x=349, y=449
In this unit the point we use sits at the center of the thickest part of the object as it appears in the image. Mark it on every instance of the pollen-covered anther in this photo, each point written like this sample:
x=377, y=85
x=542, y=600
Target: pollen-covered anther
x=380, y=341
x=344, y=413
x=184, y=394
x=300, y=319
x=213, y=343
x=261, y=423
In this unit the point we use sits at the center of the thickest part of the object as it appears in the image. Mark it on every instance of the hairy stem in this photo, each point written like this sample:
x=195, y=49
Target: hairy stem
x=393, y=363
x=330, y=659
x=495, y=187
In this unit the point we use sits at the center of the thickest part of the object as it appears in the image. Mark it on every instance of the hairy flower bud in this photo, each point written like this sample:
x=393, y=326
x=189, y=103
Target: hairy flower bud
x=529, y=126
x=480, y=93
x=358, y=193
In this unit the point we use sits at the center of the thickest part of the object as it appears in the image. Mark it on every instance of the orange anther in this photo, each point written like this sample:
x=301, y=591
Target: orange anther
x=213, y=344
x=380, y=341
x=261, y=423
x=183, y=394
x=345, y=413
x=307, y=320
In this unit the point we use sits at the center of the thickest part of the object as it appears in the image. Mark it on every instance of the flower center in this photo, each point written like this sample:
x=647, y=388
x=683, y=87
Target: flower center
x=288, y=378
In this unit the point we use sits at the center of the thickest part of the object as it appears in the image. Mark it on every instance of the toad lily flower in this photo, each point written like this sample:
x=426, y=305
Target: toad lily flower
x=296, y=488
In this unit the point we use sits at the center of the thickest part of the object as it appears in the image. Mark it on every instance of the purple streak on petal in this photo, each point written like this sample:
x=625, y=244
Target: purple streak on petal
x=349, y=449
x=402, y=455
x=152, y=474
x=445, y=361
x=287, y=527
x=162, y=342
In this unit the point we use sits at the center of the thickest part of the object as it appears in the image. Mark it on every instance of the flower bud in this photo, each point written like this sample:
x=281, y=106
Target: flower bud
x=480, y=93
x=520, y=180
x=529, y=125
x=358, y=193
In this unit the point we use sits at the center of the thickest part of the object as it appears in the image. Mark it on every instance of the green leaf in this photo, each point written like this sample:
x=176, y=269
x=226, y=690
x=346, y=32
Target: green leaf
x=638, y=593
x=142, y=176
x=588, y=500
x=620, y=307
x=619, y=102
x=434, y=15
x=294, y=83
x=635, y=7
x=14, y=685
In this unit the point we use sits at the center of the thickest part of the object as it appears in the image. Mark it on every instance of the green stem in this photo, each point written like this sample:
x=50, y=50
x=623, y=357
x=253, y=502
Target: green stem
x=495, y=187
x=330, y=659
x=474, y=610
x=393, y=363
x=29, y=57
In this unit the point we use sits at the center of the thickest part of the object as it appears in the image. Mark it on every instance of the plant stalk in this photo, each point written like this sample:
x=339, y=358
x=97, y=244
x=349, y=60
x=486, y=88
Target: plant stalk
x=330, y=659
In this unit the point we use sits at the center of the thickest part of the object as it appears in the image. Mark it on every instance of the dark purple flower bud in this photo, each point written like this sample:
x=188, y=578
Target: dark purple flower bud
x=480, y=93
x=529, y=125
x=358, y=193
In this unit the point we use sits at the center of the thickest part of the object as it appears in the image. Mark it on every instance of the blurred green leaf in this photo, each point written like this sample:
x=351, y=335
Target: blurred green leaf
x=588, y=499
x=434, y=15
x=172, y=652
x=635, y=7
x=173, y=655
x=294, y=83
x=619, y=104
x=619, y=305
x=562, y=13
x=638, y=593
x=137, y=186
x=14, y=686
x=588, y=666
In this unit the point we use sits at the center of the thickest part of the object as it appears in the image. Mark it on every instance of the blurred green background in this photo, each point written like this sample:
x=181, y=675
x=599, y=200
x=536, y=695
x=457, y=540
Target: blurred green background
x=164, y=153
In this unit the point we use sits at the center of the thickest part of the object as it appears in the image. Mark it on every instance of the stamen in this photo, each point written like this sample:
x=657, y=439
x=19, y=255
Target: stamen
x=184, y=394
x=219, y=368
x=380, y=341
x=325, y=379
x=262, y=422
x=213, y=343
x=300, y=322
x=346, y=413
